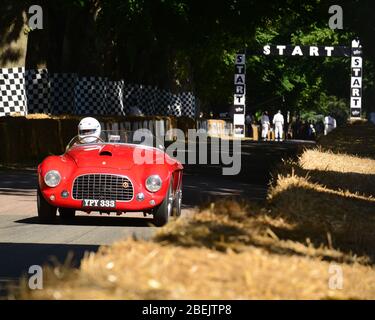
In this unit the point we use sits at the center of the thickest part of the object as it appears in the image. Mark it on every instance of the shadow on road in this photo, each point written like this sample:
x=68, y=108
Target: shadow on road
x=95, y=221
x=17, y=258
x=18, y=183
x=18, y=179
x=14, y=255
x=199, y=190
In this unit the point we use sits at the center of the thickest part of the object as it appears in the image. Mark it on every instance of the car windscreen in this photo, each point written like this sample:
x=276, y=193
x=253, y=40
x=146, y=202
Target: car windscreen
x=142, y=137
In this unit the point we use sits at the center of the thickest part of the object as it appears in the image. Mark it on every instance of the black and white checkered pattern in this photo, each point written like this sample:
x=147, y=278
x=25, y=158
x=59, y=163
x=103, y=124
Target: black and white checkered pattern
x=163, y=102
x=130, y=97
x=176, y=105
x=145, y=99
x=37, y=91
x=12, y=91
x=139, y=100
x=115, y=100
x=188, y=104
x=90, y=96
x=62, y=92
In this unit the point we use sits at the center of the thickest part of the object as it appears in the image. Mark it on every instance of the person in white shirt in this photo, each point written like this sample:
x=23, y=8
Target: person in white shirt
x=278, y=121
x=265, y=122
x=329, y=124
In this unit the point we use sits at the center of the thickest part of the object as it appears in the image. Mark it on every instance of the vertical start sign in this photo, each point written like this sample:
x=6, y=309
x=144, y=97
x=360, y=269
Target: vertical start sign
x=356, y=80
x=239, y=96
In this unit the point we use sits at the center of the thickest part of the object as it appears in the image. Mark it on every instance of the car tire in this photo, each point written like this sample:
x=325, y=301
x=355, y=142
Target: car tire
x=67, y=214
x=177, y=203
x=164, y=211
x=46, y=212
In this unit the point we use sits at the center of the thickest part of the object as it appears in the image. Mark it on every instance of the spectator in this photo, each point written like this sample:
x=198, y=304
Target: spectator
x=311, y=131
x=329, y=124
x=278, y=121
x=265, y=122
x=248, y=121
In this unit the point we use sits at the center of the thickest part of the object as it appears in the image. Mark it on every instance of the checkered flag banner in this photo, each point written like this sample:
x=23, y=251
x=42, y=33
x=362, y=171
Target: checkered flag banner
x=90, y=96
x=115, y=98
x=38, y=91
x=12, y=92
x=188, y=104
x=62, y=92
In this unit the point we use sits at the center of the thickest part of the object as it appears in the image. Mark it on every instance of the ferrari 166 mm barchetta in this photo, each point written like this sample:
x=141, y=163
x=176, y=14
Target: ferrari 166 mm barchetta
x=109, y=172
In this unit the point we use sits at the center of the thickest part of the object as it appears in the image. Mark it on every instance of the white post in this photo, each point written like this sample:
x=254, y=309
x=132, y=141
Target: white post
x=239, y=97
x=356, y=80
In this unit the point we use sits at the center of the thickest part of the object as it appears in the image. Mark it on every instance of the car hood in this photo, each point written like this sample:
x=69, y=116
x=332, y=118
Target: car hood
x=108, y=155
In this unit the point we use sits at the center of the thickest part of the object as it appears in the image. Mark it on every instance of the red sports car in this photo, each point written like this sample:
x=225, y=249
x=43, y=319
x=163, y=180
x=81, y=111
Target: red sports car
x=115, y=173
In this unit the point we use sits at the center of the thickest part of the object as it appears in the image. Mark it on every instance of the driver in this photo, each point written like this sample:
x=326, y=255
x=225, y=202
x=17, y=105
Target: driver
x=89, y=130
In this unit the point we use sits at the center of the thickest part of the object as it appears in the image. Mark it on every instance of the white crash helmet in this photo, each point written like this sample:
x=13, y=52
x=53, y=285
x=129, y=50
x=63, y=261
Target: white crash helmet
x=89, y=130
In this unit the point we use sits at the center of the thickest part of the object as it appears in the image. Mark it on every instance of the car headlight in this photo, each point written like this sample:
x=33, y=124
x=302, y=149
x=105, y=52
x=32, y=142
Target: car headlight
x=153, y=183
x=52, y=178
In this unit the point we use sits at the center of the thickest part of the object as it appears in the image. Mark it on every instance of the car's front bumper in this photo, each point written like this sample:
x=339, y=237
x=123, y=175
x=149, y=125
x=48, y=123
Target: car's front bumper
x=57, y=196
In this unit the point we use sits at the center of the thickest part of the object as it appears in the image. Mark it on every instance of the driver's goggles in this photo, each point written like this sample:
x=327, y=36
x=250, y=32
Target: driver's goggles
x=87, y=132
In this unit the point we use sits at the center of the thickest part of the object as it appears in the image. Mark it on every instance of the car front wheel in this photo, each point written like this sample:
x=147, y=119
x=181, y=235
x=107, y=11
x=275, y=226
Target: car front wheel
x=164, y=211
x=46, y=212
x=177, y=203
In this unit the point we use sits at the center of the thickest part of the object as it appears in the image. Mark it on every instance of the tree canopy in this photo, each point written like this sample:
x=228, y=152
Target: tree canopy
x=191, y=45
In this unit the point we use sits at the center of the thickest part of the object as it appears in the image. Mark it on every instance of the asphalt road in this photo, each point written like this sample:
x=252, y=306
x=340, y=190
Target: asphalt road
x=25, y=242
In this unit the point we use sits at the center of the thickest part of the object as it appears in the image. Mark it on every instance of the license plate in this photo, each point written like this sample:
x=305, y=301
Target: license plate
x=89, y=203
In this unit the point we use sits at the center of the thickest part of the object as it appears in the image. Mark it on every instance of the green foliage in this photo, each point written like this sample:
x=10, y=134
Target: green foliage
x=191, y=45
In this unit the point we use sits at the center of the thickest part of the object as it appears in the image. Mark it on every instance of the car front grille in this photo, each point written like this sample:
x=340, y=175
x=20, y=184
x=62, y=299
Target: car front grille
x=102, y=187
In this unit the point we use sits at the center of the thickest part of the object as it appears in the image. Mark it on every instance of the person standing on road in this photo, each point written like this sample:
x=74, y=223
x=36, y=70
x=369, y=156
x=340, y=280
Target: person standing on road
x=278, y=121
x=329, y=124
x=248, y=122
x=265, y=122
x=312, y=131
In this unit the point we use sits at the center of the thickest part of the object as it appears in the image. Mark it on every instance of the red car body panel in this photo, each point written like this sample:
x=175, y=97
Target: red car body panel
x=114, y=159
